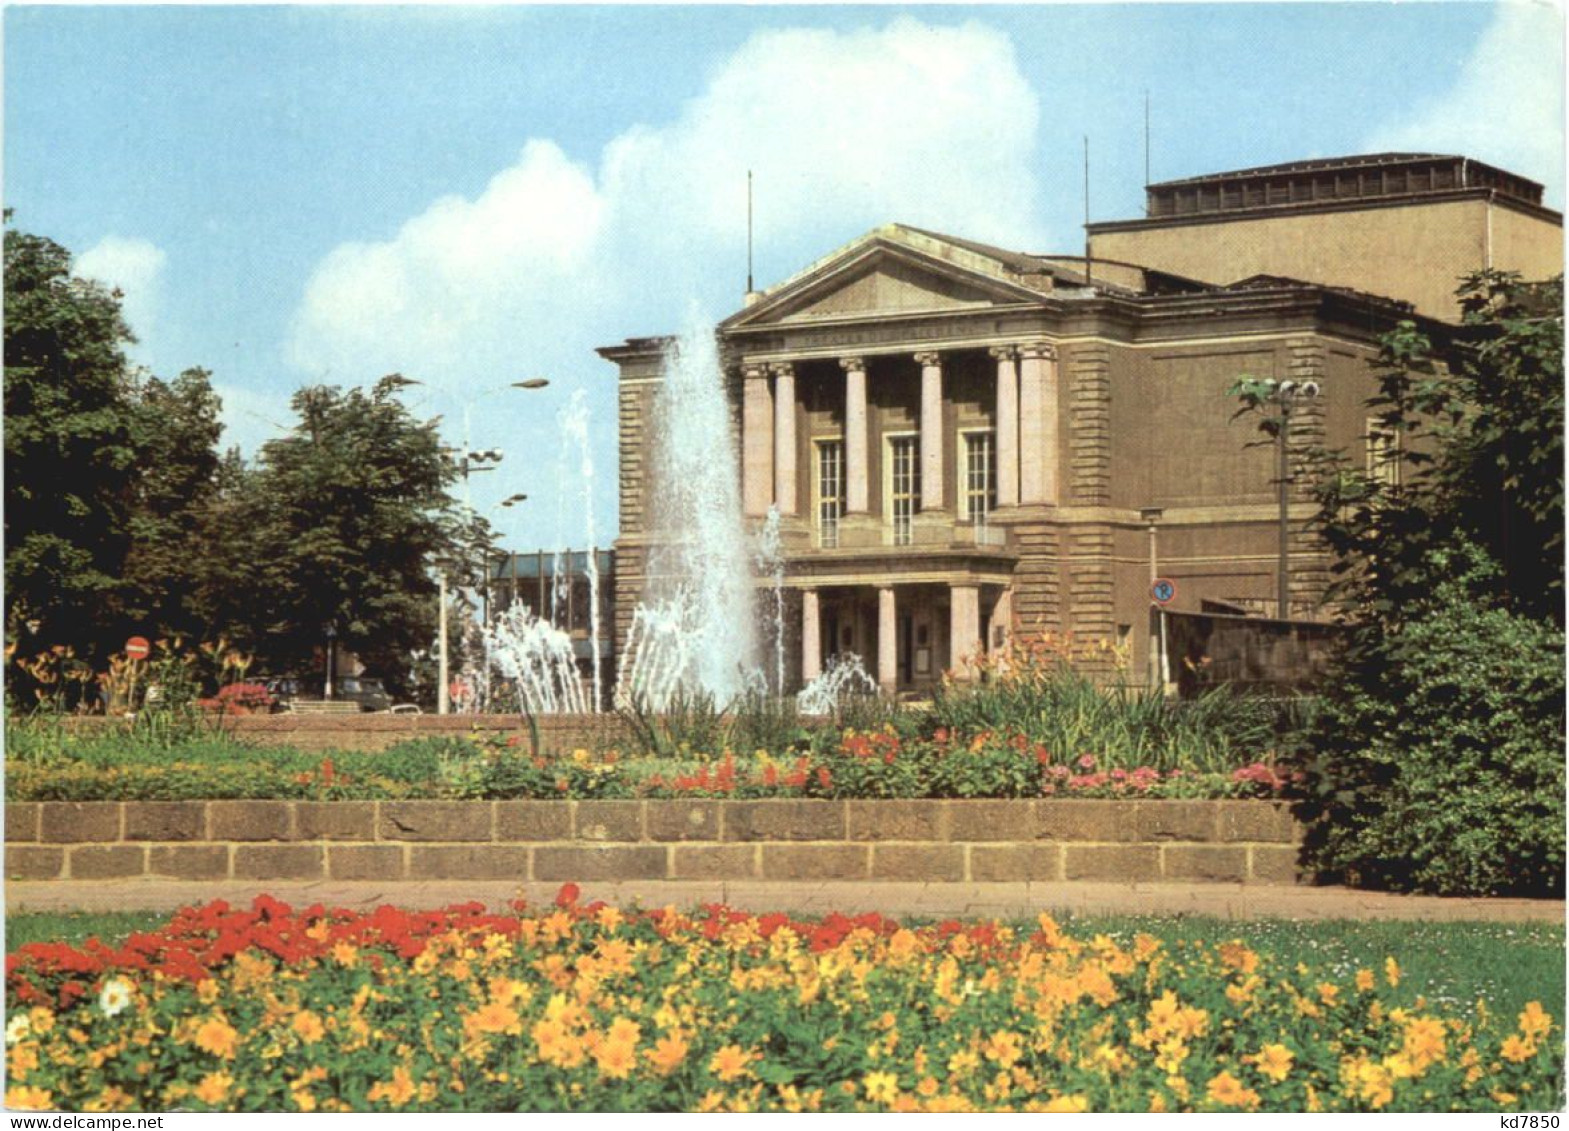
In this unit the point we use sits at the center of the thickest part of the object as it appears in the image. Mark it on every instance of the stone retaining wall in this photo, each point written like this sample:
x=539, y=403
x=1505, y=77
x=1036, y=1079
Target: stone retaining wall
x=377, y=731
x=1046, y=840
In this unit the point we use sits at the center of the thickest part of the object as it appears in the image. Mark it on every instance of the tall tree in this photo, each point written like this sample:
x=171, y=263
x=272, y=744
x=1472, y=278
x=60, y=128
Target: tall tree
x=347, y=512
x=70, y=454
x=175, y=430
x=1437, y=762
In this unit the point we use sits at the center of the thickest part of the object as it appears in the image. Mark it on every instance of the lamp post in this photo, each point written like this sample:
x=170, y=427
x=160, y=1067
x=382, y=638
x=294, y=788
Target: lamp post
x=1157, y=626
x=1285, y=395
x=472, y=462
x=331, y=632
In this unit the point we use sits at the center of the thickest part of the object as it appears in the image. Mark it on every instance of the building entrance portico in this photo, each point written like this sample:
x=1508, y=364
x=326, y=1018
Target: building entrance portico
x=905, y=635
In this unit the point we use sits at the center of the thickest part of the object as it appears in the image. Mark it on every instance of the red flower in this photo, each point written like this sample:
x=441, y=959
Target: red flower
x=568, y=894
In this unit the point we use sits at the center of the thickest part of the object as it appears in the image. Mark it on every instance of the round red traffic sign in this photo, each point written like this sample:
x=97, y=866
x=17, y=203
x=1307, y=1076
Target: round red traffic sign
x=137, y=648
x=1162, y=590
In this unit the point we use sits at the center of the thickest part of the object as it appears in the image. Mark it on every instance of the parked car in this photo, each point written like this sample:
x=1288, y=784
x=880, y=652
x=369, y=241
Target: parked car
x=367, y=691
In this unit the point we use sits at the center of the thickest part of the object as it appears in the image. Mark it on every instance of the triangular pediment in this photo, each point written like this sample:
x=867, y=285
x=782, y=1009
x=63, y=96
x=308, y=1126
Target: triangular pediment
x=884, y=274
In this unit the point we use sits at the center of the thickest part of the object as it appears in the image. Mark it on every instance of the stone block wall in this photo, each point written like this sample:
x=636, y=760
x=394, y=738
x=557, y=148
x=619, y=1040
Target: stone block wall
x=933, y=841
x=378, y=731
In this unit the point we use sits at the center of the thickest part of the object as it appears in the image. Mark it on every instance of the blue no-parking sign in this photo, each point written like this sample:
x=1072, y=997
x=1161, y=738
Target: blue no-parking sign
x=1163, y=590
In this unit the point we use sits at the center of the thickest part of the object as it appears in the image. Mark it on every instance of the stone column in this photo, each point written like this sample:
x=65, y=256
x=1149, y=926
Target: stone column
x=757, y=442
x=964, y=634
x=887, y=641
x=857, y=487
x=931, y=431
x=1037, y=423
x=1007, y=426
x=784, y=437
x=811, y=636
x=1002, y=617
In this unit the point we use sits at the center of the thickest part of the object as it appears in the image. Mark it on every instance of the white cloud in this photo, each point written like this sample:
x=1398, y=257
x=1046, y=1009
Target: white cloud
x=1507, y=107
x=135, y=266
x=843, y=131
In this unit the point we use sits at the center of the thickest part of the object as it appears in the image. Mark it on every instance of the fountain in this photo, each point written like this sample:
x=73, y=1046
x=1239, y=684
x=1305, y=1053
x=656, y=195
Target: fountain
x=843, y=677
x=696, y=630
x=705, y=627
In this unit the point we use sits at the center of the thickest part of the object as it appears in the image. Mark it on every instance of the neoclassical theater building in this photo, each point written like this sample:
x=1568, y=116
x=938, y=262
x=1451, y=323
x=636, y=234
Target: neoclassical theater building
x=965, y=442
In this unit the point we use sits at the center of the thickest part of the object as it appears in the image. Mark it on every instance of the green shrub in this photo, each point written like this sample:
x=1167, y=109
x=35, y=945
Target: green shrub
x=1439, y=762
x=1056, y=705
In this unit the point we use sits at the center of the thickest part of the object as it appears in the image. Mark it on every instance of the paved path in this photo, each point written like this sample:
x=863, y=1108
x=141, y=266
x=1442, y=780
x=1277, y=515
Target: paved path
x=997, y=900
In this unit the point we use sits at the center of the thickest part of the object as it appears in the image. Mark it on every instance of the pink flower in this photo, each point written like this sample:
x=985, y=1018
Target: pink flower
x=1086, y=761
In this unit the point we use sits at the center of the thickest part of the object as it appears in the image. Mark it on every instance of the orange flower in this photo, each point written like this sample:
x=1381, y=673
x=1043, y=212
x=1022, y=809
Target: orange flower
x=1365, y=980
x=308, y=1027
x=667, y=1054
x=1516, y=1050
x=214, y=1088
x=729, y=1063
x=218, y=1037
x=1227, y=1090
x=398, y=1092
x=28, y=1099
x=1274, y=1061
x=616, y=1059
x=493, y=1017
x=1534, y=1020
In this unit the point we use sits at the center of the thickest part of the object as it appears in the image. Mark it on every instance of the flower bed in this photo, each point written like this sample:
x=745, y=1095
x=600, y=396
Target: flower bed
x=851, y=764
x=589, y=1008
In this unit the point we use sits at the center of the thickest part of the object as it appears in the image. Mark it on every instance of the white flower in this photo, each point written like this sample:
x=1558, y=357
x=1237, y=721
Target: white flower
x=116, y=996
x=17, y=1028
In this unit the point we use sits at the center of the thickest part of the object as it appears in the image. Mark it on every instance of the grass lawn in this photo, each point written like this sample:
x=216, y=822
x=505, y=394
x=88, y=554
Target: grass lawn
x=1451, y=964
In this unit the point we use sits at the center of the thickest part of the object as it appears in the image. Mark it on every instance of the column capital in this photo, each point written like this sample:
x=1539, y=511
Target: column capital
x=782, y=368
x=927, y=358
x=853, y=364
x=1004, y=353
x=1038, y=350
x=754, y=370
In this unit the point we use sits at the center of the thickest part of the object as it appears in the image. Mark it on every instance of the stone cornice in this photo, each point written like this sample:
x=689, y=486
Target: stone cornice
x=1306, y=207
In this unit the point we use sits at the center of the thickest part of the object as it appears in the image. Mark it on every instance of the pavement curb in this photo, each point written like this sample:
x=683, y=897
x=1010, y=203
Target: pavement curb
x=909, y=900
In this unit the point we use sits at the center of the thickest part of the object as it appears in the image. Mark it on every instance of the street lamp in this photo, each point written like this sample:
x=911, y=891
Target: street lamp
x=331, y=632
x=472, y=461
x=1285, y=395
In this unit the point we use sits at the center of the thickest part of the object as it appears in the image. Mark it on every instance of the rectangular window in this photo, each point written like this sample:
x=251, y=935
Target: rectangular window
x=904, y=486
x=830, y=491
x=980, y=478
x=1383, y=453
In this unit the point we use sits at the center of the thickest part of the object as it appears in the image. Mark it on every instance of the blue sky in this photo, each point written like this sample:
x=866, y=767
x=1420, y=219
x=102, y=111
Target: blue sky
x=475, y=195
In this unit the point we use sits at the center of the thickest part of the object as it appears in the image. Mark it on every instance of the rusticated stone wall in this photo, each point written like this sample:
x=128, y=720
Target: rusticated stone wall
x=937, y=841
x=377, y=731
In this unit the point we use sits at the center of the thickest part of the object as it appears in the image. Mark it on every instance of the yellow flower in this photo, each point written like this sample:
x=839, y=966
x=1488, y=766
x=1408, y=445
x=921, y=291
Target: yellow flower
x=729, y=1063
x=1003, y=1047
x=1328, y=992
x=1274, y=1061
x=308, y=1027
x=624, y=1031
x=667, y=1054
x=398, y=1092
x=1516, y=1050
x=1424, y=1043
x=1235, y=956
x=28, y=1099
x=881, y=1087
x=214, y=1088
x=616, y=1059
x=963, y=1063
x=1364, y=980
x=345, y=954
x=493, y=1017
x=218, y=1037
x=1534, y=1021
x=1227, y=1090
x=1392, y=972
